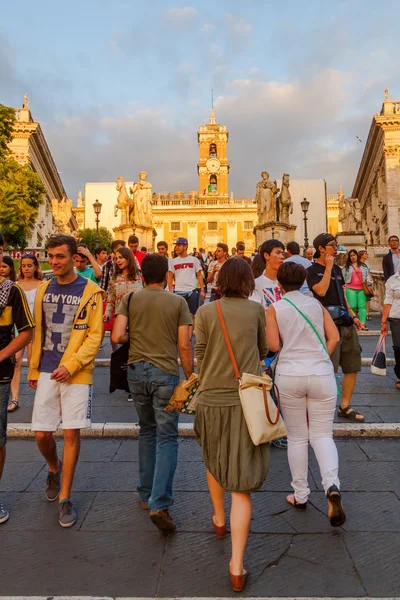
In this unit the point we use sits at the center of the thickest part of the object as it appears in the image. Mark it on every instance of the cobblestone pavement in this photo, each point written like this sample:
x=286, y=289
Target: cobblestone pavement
x=114, y=550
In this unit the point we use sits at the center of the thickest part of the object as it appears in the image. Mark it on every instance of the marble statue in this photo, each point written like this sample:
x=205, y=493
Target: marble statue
x=284, y=204
x=350, y=214
x=142, y=192
x=26, y=101
x=124, y=203
x=62, y=213
x=266, y=192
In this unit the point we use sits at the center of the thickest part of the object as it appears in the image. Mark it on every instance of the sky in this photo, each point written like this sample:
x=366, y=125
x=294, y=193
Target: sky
x=122, y=86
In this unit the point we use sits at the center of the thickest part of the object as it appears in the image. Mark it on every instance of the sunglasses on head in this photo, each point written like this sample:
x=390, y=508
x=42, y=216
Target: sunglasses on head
x=28, y=256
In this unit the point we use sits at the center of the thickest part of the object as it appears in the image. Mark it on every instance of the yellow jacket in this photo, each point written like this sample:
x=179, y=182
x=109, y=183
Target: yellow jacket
x=85, y=340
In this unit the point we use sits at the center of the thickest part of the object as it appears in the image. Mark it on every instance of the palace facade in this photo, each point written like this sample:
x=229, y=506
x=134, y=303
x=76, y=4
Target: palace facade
x=209, y=214
x=377, y=184
x=29, y=147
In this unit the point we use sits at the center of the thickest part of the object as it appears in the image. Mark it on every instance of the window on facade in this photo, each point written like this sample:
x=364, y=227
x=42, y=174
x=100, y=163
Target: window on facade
x=175, y=226
x=213, y=225
x=213, y=183
x=248, y=225
x=213, y=150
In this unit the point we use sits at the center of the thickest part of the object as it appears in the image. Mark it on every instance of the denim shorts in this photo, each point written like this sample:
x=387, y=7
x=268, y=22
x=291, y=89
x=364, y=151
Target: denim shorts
x=192, y=299
x=4, y=396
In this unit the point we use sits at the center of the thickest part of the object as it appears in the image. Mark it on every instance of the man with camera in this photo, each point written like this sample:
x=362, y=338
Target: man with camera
x=326, y=281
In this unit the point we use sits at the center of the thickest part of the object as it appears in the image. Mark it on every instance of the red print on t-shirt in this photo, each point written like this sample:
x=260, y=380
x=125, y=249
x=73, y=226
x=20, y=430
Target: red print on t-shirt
x=184, y=266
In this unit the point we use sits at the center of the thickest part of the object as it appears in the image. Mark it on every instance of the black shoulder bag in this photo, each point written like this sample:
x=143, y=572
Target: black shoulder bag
x=119, y=364
x=339, y=313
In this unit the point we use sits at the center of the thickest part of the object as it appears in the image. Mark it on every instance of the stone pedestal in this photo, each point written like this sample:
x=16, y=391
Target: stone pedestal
x=274, y=230
x=146, y=235
x=351, y=240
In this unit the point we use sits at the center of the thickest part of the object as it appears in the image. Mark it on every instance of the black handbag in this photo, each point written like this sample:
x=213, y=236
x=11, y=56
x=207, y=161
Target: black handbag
x=119, y=365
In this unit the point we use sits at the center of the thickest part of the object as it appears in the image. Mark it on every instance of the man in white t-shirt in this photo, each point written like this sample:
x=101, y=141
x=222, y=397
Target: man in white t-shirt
x=267, y=292
x=267, y=289
x=187, y=272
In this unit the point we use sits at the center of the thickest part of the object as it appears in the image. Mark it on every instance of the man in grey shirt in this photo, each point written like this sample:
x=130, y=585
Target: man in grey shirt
x=293, y=250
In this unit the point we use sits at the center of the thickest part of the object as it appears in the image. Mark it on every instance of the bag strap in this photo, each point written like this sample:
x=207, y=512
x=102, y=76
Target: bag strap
x=227, y=340
x=309, y=322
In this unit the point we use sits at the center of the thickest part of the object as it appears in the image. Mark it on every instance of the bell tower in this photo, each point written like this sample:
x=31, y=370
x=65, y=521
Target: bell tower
x=213, y=165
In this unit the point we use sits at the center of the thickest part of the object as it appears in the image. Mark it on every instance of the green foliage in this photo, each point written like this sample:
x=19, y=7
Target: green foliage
x=89, y=237
x=21, y=194
x=7, y=119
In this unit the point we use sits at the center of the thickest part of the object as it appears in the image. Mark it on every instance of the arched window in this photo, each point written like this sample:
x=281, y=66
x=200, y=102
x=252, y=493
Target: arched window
x=213, y=150
x=213, y=183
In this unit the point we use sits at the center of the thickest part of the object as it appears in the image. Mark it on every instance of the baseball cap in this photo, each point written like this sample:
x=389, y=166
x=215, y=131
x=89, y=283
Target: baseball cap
x=323, y=240
x=182, y=240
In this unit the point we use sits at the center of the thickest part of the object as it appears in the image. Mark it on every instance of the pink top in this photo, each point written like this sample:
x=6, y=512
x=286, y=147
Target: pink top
x=356, y=279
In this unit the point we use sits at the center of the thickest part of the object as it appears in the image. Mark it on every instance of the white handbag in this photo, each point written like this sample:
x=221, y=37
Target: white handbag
x=256, y=400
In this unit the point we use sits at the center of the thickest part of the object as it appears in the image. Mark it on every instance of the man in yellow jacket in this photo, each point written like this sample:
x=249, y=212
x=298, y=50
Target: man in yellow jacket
x=69, y=313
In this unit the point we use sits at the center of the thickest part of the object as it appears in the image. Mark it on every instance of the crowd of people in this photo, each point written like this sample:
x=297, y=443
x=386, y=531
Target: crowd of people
x=294, y=317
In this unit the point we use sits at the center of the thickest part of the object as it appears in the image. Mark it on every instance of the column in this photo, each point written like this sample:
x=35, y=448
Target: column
x=192, y=235
x=392, y=168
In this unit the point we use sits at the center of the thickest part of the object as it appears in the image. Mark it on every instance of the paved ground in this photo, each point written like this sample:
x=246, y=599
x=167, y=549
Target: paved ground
x=376, y=397
x=114, y=550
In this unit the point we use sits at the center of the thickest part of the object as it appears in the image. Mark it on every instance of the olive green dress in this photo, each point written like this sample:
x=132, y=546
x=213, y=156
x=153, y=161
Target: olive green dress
x=228, y=452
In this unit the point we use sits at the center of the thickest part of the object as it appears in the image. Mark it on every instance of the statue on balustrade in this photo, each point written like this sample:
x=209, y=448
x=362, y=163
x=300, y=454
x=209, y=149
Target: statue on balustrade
x=284, y=203
x=62, y=213
x=142, y=191
x=124, y=203
x=266, y=192
x=350, y=214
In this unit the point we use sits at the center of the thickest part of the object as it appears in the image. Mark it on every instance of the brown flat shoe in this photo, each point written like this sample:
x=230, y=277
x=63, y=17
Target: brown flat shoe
x=238, y=582
x=144, y=506
x=219, y=530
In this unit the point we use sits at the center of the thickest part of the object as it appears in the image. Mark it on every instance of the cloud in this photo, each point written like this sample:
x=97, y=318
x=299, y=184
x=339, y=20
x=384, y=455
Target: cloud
x=207, y=28
x=178, y=18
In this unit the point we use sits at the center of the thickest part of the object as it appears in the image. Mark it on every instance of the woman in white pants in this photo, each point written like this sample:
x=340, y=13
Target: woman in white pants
x=306, y=335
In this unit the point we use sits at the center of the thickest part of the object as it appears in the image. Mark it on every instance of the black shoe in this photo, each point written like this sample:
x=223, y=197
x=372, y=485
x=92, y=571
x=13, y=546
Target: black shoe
x=338, y=516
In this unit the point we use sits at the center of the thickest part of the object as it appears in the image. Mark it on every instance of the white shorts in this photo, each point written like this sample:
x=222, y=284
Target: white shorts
x=69, y=404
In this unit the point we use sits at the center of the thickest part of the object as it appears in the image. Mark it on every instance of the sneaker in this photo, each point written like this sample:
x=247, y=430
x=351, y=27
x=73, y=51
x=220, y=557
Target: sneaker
x=280, y=443
x=4, y=514
x=66, y=513
x=162, y=520
x=130, y=399
x=54, y=484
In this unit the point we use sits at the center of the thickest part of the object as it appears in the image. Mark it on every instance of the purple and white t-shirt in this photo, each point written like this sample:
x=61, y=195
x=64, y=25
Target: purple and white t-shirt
x=60, y=305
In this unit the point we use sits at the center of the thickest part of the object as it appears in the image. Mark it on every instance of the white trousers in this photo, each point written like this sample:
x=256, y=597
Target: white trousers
x=308, y=406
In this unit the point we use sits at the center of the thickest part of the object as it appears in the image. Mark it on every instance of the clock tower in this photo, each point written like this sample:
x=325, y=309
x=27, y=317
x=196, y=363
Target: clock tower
x=213, y=165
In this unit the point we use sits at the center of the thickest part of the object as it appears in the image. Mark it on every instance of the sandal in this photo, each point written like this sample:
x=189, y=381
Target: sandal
x=295, y=504
x=350, y=413
x=397, y=384
x=13, y=406
x=337, y=517
x=369, y=318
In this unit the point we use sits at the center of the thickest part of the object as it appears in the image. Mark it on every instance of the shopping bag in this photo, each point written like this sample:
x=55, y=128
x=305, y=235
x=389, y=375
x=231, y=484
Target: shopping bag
x=184, y=398
x=378, y=365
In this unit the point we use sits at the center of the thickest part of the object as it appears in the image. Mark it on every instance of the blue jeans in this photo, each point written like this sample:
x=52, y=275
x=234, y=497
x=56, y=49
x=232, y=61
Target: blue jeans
x=152, y=389
x=4, y=396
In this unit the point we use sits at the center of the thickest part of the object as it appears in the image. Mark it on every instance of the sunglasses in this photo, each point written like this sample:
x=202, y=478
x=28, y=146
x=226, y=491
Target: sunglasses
x=28, y=256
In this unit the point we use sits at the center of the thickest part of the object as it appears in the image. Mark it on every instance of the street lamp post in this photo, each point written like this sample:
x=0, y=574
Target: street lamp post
x=304, y=207
x=97, y=211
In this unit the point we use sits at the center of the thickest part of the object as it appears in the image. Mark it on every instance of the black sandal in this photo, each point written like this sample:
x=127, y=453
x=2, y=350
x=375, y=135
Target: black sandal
x=350, y=413
x=295, y=504
x=338, y=516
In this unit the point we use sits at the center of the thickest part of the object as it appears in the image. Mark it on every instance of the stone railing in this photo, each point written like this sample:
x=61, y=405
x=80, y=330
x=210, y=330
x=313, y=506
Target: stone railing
x=201, y=201
x=379, y=285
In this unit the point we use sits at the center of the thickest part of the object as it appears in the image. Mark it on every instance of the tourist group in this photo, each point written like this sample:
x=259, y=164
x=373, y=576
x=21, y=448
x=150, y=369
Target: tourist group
x=294, y=317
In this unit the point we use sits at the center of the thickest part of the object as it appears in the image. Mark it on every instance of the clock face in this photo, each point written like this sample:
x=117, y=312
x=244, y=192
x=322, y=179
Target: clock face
x=213, y=165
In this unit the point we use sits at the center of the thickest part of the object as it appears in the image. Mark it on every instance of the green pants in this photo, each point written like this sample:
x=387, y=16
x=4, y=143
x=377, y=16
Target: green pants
x=358, y=302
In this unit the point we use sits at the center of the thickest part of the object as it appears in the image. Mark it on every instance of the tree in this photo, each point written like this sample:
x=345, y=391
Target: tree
x=89, y=237
x=21, y=190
